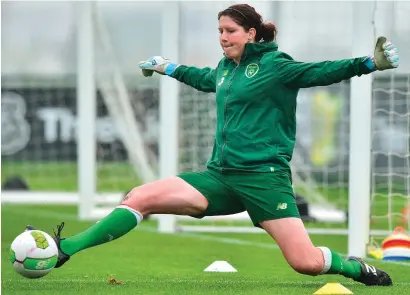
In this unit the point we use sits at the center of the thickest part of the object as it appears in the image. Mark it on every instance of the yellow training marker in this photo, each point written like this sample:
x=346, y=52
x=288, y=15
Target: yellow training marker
x=333, y=289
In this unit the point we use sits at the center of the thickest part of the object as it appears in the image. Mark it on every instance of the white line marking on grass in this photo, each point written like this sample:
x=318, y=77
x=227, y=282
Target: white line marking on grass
x=72, y=217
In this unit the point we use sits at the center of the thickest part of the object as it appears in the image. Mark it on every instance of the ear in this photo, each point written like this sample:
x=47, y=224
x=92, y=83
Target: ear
x=251, y=34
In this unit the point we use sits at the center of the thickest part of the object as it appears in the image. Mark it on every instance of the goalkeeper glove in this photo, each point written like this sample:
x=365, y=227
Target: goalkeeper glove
x=385, y=56
x=157, y=64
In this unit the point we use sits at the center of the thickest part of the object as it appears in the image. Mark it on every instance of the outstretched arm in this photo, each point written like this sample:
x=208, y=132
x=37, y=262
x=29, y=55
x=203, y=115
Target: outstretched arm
x=296, y=74
x=202, y=79
x=302, y=75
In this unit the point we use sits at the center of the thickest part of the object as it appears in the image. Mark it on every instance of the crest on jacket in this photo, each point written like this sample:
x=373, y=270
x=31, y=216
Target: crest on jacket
x=251, y=70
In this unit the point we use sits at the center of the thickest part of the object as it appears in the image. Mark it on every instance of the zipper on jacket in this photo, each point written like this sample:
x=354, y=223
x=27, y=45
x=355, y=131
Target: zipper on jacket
x=225, y=115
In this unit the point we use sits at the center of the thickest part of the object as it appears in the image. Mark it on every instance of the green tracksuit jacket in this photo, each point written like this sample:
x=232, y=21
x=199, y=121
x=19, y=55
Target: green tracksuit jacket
x=256, y=104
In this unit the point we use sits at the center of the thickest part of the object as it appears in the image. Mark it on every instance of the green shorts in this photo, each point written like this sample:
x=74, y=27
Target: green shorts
x=265, y=196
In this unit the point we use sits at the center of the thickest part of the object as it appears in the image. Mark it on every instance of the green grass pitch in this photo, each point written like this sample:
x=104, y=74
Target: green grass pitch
x=148, y=262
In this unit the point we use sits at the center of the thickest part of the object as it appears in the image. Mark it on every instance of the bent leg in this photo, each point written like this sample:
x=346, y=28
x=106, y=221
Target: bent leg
x=270, y=202
x=302, y=255
x=295, y=244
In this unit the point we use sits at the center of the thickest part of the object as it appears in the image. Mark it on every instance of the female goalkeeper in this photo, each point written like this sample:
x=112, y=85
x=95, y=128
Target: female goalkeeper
x=256, y=86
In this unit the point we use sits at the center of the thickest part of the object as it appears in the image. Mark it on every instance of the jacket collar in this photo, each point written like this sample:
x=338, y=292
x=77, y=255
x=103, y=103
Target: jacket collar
x=257, y=49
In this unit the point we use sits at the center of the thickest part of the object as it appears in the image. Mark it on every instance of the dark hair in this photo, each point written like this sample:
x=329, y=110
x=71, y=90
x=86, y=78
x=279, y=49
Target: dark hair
x=247, y=17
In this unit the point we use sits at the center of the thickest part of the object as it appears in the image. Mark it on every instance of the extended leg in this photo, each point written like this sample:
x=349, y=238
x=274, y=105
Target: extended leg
x=170, y=196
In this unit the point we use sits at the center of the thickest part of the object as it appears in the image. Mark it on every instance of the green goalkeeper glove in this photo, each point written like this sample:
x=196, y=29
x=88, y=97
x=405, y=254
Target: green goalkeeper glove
x=386, y=56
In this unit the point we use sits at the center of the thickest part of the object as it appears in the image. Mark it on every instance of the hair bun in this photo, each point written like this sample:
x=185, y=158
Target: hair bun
x=267, y=32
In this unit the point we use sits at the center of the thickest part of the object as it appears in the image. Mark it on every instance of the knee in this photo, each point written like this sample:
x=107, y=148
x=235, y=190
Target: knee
x=137, y=201
x=310, y=263
x=307, y=267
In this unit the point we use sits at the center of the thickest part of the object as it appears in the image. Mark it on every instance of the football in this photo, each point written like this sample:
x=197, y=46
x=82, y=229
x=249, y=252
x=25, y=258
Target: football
x=33, y=254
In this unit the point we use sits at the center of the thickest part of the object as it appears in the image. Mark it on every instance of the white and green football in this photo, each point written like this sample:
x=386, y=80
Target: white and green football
x=33, y=254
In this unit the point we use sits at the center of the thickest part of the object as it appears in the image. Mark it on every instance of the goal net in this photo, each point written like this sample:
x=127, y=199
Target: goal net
x=40, y=129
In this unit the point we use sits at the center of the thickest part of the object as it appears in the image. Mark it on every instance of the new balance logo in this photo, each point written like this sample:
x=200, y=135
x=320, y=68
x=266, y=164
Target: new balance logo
x=371, y=269
x=222, y=80
x=282, y=206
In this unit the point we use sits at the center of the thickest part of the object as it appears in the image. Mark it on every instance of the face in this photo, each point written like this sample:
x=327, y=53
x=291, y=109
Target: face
x=233, y=37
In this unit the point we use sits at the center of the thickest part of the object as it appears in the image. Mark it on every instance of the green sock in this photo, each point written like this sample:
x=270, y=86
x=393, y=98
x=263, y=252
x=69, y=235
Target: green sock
x=336, y=264
x=119, y=222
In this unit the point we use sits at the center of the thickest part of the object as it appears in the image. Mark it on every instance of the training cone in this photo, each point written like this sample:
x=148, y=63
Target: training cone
x=220, y=266
x=397, y=246
x=333, y=289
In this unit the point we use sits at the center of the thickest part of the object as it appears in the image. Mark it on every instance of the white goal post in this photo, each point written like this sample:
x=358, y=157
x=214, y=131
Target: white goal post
x=360, y=135
x=91, y=28
x=169, y=108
